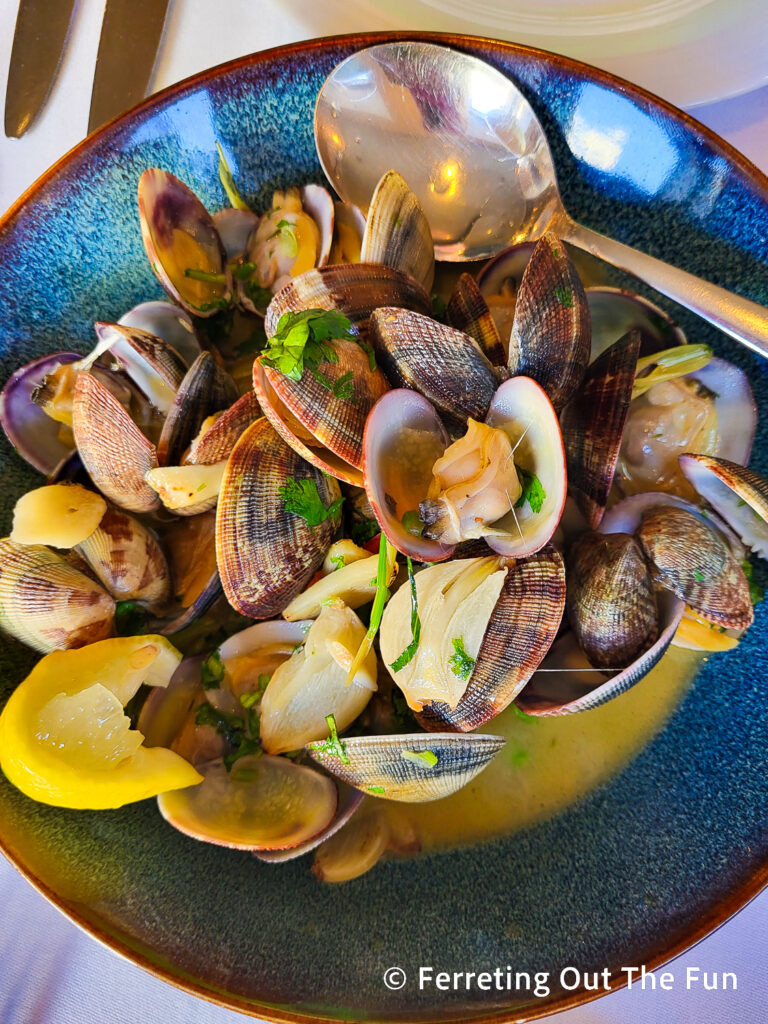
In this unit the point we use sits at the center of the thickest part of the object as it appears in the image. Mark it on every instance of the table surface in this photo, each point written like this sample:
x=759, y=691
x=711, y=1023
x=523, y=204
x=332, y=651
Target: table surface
x=54, y=974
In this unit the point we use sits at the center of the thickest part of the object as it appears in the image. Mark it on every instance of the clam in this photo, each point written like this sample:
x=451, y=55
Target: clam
x=376, y=829
x=235, y=227
x=312, y=685
x=166, y=321
x=182, y=244
x=738, y=494
x=499, y=283
x=349, y=803
x=190, y=546
x=486, y=624
x=443, y=364
x=409, y=767
x=354, y=290
x=610, y=599
x=205, y=389
x=47, y=603
x=218, y=435
x=503, y=481
x=613, y=312
x=695, y=562
x=263, y=803
x=349, y=228
x=397, y=232
x=154, y=366
x=468, y=311
x=267, y=553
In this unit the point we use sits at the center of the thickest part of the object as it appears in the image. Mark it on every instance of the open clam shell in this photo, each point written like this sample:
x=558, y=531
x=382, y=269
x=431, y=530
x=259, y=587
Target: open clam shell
x=499, y=283
x=349, y=802
x=353, y=289
x=410, y=767
x=593, y=425
x=738, y=494
x=397, y=232
x=551, y=334
x=265, y=553
x=35, y=436
x=235, y=227
x=179, y=235
x=735, y=406
x=468, y=311
x=190, y=546
x=443, y=364
x=153, y=365
x=218, y=440
x=318, y=203
x=205, y=389
x=614, y=312
x=349, y=228
x=263, y=803
x=166, y=321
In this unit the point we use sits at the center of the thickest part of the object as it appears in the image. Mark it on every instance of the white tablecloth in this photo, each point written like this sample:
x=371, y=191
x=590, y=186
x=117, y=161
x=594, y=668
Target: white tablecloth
x=51, y=973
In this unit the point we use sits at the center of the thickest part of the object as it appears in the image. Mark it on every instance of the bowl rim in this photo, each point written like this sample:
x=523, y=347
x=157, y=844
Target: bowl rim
x=725, y=908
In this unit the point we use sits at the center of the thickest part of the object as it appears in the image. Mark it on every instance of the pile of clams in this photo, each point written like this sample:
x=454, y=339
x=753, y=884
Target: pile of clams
x=421, y=509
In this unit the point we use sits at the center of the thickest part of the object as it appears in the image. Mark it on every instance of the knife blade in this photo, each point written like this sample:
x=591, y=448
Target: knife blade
x=130, y=40
x=39, y=41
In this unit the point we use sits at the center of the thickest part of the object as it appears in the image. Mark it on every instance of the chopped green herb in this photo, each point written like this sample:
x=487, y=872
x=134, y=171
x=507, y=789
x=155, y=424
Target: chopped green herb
x=302, y=342
x=338, y=562
x=522, y=715
x=698, y=575
x=228, y=182
x=207, y=276
x=407, y=655
x=221, y=303
x=333, y=745
x=212, y=672
x=234, y=731
x=301, y=497
x=756, y=592
x=130, y=618
x=242, y=271
x=564, y=296
x=202, y=487
x=556, y=253
x=532, y=491
x=413, y=523
x=259, y=296
x=363, y=530
x=287, y=233
x=740, y=503
x=422, y=758
x=250, y=698
x=461, y=663
x=376, y=789
x=342, y=388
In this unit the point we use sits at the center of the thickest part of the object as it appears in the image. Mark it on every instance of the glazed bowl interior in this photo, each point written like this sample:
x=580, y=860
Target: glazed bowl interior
x=631, y=874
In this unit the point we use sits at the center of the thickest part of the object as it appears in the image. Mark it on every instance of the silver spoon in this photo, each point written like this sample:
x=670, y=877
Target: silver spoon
x=468, y=143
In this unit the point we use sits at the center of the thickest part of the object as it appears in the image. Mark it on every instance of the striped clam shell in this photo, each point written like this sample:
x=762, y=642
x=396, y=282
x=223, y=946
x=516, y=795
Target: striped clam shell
x=593, y=423
x=179, y=234
x=550, y=339
x=354, y=289
x=205, y=389
x=468, y=311
x=190, y=546
x=610, y=600
x=166, y=321
x=695, y=562
x=391, y=766
x=47, y=603
x=266, y=554
x=113, y=450
x=522, y=628
x=441, y=363
x=127, y=558
x=220, y=438
x=154, y=366
x=325, y=421
x=738, y=494
x=397, y=232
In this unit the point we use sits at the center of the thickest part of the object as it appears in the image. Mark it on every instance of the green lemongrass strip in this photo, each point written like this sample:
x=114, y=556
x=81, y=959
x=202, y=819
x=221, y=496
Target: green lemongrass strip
x=668, y=365
x=228, y=182
x=385, y=570
x=407, y=655
x=207, y=276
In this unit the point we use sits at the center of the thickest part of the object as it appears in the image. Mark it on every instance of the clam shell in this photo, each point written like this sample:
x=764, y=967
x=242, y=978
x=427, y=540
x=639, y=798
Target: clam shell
x=614, y=312
x=735, y=405
x=441, y=363
x=317, y=202
x=205, y=389
x=190, y=546
x=696, y=563
x=47, y=603
x=234, y=227
x=335, y=423
x=266, y=555
x=353, y=289
x=113, y=450
x=550, y=339
x=349, y=223
x=738, y=494
x=349, y=802
x=220, y=438
x=32, y=432
x=128, y=560
x=380, y=765
x=154, y=366
x=403, y=438
x=166, y=321
x=397, y=232
x=468, y=311
x=610, y=599
x=593, y=424
x=179, y=233
x=521, y=630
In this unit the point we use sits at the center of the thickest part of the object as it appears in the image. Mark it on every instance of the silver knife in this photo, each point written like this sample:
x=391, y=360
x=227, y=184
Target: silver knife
x=39, y=41
x=130, y=39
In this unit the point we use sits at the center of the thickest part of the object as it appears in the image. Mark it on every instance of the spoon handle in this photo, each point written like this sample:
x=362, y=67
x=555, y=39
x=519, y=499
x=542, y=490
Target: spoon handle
x=744, y=320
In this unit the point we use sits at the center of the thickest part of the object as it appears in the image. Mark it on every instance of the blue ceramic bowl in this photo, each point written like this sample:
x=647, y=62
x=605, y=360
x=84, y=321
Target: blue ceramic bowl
x=634, y=873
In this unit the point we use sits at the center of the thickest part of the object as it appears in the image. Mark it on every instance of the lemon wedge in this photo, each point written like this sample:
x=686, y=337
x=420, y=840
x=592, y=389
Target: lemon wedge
x=65, y=739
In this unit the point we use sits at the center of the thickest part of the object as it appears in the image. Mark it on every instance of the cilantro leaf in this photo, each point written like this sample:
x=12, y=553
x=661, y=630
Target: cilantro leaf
x=407, y=655
x=378, y=790
x=259, y=296
x=212, y=672
x=234, y=731
x=301, y=497
x=460, y=662
x=532, y=491
x=333, y=745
